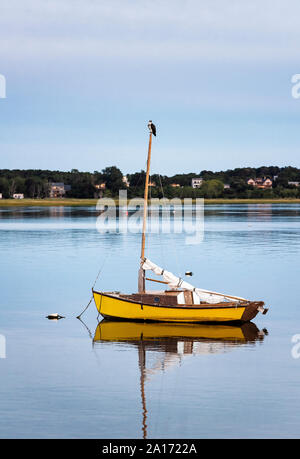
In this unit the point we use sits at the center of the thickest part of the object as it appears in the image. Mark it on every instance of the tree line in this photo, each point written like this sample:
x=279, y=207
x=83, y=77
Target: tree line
x=35, y=183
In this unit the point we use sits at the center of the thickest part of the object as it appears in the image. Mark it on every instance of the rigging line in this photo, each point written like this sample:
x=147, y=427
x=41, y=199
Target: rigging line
x=160, y=223
x=161, y=388
x=148, y=231
x=149, y=216
x=97, y=358
x=97, y=277
x=134, y=189
x=93, y=347
x=87, y=328
x=78, y=317
x=176, y=379
x=108, y=252
x=172, y=235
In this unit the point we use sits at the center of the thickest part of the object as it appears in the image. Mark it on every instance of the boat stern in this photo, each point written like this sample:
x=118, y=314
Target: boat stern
x=252, y=309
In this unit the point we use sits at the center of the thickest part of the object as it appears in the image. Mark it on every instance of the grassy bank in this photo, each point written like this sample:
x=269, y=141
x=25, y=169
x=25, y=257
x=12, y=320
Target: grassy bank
x=47, y=202
x=252, y=201
x=92, y=202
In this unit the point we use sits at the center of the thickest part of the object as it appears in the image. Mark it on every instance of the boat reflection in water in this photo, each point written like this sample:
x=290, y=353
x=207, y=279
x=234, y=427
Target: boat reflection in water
x=173, y=342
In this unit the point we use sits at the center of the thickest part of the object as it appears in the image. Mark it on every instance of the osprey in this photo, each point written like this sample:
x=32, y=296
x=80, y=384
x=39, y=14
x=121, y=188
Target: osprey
x=152, y=128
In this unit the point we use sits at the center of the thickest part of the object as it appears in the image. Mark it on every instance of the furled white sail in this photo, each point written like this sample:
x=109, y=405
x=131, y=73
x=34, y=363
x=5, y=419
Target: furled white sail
x=175, y=282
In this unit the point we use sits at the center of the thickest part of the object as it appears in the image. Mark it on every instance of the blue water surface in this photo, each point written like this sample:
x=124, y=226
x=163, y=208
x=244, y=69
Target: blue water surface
x=56, y=383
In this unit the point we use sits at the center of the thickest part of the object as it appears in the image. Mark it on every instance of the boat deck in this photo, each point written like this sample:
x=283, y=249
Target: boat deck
x=169, y=298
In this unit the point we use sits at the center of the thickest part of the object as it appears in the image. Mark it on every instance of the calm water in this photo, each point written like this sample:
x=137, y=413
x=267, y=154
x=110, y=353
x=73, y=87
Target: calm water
x=163, y=382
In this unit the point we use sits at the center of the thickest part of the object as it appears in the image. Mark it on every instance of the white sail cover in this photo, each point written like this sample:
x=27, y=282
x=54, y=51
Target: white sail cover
x=175, y=282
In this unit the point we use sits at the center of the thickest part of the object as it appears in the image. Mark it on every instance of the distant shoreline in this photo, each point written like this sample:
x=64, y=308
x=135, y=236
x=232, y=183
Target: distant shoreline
x=92, y=202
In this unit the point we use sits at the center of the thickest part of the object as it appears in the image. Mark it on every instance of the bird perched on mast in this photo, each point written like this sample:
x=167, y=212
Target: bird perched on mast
x=152, y=128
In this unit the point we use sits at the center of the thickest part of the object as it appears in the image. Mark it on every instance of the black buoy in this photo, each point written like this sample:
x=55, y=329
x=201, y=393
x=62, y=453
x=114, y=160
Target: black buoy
x=188, y=273
x=54, y=317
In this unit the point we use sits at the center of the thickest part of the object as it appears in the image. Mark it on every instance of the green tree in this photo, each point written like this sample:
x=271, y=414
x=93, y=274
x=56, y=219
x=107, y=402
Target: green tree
x=212, y=188
x=4, y=187
x=113, y=178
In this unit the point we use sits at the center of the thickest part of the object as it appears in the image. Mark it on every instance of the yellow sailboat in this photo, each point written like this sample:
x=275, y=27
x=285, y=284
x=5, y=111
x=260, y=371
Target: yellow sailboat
x=182, y=302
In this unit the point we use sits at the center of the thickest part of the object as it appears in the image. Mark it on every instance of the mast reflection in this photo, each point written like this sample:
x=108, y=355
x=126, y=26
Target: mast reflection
x=173, y=342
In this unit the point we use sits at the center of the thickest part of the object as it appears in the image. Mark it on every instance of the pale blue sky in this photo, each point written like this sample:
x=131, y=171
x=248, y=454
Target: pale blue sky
x=84, y=76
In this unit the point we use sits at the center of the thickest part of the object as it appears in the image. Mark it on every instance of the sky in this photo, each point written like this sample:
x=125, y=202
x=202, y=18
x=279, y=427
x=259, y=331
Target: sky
x=83, y=77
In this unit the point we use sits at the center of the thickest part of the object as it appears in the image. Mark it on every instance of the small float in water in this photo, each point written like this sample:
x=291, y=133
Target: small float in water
x=54, y=316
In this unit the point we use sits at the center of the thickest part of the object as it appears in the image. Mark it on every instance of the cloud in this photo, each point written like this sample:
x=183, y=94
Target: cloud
x=84, y=76
x=160, y=29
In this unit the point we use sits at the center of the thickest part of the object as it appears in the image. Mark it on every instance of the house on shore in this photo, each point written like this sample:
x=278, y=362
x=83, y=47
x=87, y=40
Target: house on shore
x=226, y=186
x=58, y=189
x=99, y=190
x=294, y=183
x=18, y=196
x=101, y=186
x=262, y=183
x=0, y=195
x=197, y=182
x=125, y=181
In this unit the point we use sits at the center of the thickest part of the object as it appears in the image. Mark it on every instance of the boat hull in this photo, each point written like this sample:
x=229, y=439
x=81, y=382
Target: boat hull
x=114, y=307
x=150, y=332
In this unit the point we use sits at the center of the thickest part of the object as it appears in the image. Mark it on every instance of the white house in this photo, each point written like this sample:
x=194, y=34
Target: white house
x=197, y=182
x=18, y=196
x=0, y=195
x=125, y=181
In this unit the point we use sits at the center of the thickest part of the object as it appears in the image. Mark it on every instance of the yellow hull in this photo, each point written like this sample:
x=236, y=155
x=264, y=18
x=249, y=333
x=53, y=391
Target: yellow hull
x=111, y=306
x=133, y=331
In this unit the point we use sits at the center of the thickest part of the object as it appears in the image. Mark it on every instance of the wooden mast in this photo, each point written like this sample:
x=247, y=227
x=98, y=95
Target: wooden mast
x=141, y=282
